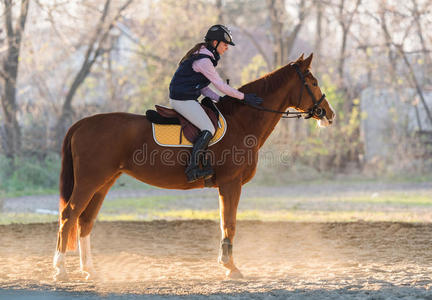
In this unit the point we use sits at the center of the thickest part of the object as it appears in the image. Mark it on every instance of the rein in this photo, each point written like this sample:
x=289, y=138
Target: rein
x=285, y=114
x=313, y=111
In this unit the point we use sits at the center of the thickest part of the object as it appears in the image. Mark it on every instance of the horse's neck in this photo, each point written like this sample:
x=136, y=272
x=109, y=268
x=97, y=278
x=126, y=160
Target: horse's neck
x=259, y=123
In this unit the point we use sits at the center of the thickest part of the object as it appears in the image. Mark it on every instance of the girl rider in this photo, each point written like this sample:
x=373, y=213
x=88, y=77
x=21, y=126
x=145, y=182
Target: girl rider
x=195, y=72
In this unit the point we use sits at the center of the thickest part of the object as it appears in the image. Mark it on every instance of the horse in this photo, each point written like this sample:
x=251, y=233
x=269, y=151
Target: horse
x=98, y=149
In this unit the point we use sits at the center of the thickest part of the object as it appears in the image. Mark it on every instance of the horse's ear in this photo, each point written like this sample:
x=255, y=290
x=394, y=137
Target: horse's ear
x=307, y=61
x=301, y=58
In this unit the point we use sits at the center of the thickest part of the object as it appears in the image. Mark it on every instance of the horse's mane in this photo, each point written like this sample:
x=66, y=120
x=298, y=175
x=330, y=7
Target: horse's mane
x=261, y=87
x=268, y=82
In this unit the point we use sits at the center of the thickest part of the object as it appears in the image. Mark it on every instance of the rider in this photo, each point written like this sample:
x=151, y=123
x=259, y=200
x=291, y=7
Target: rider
x=195, y=72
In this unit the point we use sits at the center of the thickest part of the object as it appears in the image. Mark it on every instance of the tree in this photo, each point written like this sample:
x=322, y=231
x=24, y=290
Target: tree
x=283, y=40
x=95, y=48
x=400, y=48
x=345, y=20
x=318, y=34
x=9, y=76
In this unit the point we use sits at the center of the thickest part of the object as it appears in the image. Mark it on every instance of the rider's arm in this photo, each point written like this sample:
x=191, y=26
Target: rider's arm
x=208, y=92
x=206, y=67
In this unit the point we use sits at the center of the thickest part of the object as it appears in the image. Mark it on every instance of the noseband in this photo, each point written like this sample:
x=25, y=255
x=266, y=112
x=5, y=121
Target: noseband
x=315, y=110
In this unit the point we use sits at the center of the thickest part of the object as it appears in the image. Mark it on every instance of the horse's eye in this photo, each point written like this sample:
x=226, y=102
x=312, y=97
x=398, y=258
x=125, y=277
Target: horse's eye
x=315, y=84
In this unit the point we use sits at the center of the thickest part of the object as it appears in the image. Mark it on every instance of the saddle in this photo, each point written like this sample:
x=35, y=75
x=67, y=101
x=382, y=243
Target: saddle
x=172, y=129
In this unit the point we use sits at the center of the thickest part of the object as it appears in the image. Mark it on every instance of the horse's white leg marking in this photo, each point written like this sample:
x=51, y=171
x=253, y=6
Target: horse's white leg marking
x=59, y=266
x=86, y=262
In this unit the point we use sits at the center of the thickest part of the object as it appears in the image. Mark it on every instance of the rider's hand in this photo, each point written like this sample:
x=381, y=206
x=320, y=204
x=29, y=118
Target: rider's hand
x=226, y=97
x=253, y=99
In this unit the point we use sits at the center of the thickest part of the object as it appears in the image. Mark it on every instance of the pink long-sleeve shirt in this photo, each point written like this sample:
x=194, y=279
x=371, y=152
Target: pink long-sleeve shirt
x=205, y=66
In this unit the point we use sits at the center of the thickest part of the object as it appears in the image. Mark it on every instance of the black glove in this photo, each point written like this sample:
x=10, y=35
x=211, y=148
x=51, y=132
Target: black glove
x=226, y=97
x=253, y=99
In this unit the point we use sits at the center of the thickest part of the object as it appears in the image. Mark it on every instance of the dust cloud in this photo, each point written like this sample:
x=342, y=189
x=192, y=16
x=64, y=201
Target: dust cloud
x=180, y=258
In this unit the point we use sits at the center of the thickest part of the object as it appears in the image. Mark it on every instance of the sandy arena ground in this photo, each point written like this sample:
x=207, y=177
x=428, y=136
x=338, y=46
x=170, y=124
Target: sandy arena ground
x=280, y=260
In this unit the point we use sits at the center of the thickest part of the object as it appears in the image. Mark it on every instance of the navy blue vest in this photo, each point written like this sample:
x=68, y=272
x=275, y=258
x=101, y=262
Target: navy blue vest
x=186, y=83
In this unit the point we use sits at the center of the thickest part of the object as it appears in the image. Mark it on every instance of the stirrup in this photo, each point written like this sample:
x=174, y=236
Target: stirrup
x=196, y=173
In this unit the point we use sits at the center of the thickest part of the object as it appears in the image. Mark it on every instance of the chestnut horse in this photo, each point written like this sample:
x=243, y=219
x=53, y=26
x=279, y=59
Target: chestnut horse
x=98, y=149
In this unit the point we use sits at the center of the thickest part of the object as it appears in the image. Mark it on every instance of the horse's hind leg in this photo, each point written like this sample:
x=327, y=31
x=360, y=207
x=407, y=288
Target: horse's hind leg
x=85, y=225
x=68, y=221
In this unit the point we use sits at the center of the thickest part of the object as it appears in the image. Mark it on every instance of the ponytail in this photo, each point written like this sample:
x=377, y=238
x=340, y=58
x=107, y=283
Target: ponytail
x=192, y=51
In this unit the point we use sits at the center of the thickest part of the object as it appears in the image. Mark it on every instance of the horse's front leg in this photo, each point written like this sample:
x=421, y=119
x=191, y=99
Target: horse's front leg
x=86, y=261
x=229, y=196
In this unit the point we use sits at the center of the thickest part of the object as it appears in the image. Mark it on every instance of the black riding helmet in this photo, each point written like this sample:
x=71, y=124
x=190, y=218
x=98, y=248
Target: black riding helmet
x=219, y=33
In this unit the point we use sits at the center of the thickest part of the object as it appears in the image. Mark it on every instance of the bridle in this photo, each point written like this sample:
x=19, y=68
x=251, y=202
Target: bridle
x=314, y=111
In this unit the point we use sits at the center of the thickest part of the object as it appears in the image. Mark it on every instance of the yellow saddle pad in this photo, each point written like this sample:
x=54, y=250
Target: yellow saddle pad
x=169, y=135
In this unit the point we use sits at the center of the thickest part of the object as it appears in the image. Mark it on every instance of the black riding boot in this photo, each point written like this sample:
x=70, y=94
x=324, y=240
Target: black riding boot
x=193, y=171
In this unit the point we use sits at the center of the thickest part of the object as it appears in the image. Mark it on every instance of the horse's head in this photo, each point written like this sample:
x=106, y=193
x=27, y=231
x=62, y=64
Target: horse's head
x=310, y=99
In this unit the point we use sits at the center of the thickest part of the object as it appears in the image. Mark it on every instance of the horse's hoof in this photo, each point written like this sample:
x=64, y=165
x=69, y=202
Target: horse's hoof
x=234, y=274
x=90, y=274
x=61, y=276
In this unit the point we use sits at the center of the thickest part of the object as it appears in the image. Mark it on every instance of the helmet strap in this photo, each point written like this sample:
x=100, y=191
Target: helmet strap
x=214, y=50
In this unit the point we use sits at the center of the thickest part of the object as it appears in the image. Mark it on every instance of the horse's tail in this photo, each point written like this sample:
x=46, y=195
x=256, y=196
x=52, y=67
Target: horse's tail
x=67, y=185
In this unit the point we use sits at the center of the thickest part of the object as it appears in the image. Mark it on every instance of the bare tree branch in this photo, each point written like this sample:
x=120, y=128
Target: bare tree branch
x=345, y=26
x=399, y=48
x=94, y=50
x=257, y=46
x=92, y=54
x=289, y=43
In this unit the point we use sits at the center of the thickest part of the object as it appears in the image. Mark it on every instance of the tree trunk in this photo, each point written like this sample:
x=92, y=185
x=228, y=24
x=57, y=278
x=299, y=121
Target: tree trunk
x=342, y=55
x=275, y=10
x=345, y=20
x=318, y=36
x=290, y=40
x=9, y=75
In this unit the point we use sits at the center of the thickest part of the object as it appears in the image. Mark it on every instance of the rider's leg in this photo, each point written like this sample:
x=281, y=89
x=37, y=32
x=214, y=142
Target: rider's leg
x=192, y=110
x=193, y=171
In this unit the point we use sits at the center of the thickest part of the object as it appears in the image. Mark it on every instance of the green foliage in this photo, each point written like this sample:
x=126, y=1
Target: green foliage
x=140, y=205
x=332, y=149
x=25, y=218
x=262, y=215
x=315, y=153
x=29, y=174
x=255, y=69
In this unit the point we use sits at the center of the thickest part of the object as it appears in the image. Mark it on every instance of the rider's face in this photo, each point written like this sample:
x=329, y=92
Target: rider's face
x=222, y=47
